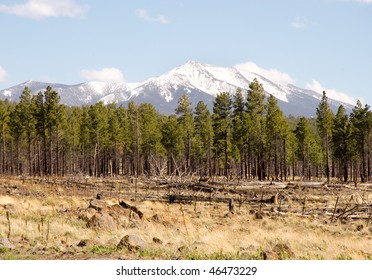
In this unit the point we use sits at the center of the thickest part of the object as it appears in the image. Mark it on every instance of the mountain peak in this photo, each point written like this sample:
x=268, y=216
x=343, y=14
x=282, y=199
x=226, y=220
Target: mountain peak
x=191, y=65
x=28, y=82
x=201, y=82
x=33, y=83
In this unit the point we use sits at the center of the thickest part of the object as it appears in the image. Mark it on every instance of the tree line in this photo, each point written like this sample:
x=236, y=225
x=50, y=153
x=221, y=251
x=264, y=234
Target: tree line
x=246, y=136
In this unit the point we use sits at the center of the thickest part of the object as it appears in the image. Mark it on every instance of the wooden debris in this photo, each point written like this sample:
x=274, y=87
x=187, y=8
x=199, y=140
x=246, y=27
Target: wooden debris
x=132, y=208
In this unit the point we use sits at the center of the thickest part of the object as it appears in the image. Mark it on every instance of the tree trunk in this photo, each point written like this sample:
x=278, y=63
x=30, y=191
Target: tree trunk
x=226, y=156
x=29, y=164
x=45, y=154
x=345, y=171
x=4, y=146
x=18, y=163
x=276, y=158
x=327, y=158
x=209, y=161
x=285, y=159
x=57, y=152
x=50, y=169
x=97, y=157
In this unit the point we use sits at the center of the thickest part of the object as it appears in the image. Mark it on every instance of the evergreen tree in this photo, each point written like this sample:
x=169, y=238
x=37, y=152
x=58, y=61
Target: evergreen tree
x=292, y=151
x=239, y=128
x=309, y=152
x=303, y=135
x=114, y=131
x=256, y=109
x=48, y=114
x=70, y=134
x=340, y=137
x=39, y=136
x=360, y=120
x=85, y=143
x=54, y=115
x=16, y=132
x=136, y=139
x=203, y=137
x=172, y=142
x=222, y=123
x=39, y=114
x=99, y=137
x=324, y=123
x=151, y=134
x=184, y=112
x=276, y=133
x=125, y=137
x=4, y=120
x=27, y=122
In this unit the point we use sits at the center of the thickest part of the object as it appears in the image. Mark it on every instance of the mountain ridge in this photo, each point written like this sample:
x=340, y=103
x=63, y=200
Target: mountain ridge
x=201, y=82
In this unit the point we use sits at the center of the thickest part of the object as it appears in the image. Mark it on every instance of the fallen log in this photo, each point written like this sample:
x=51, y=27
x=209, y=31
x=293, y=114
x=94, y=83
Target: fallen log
x=132, y=208
x=174, y=198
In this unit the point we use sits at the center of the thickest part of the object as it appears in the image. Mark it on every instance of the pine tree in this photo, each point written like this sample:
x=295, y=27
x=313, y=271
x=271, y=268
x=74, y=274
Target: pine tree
x=222, y=123
x=54, y=118
x=256, y=109
x=125, y=138
x=340, y=137
x=324, y=123
x=239, y=128
x=292, y=151
x=172, y=142
x=203, y=137
x=16, y=132
x=39, y=114
x=134, y=122
x=27, y=120
x=113, y=130
x=99, y=137
x=48, y=114
x=276, y=132
x=184, y=113
x=4, y=120
x=70, y=134
x=360, y=120
x=304, y=140
x=151, y=134
x=39, y=136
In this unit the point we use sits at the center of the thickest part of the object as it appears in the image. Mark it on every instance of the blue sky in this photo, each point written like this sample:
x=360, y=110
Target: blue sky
x=317, y=44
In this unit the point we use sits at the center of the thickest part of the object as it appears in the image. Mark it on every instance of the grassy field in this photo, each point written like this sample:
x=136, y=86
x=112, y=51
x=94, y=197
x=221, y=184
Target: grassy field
x=55, y=220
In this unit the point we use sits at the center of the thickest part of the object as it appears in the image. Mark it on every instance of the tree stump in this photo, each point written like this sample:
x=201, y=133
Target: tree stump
x=231, y=205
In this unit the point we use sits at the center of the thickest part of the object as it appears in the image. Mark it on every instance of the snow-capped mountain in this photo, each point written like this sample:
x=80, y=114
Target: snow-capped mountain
x=75, y=95
x=198, y=81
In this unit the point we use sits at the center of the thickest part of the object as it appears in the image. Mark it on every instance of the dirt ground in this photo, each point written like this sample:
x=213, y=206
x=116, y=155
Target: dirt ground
x=152, y=218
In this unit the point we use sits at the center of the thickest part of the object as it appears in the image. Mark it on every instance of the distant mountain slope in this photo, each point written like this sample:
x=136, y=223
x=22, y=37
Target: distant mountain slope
x=198, y=81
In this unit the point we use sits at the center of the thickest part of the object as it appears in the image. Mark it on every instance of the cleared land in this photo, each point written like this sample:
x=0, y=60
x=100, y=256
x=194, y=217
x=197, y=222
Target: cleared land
x=173, y=218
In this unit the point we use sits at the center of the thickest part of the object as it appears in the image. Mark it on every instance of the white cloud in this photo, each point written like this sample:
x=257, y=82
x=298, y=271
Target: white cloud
x=39, y=9
x=3, y=74
x=271, y=74
x=331, y=93
x=110, y=75
x=142, y=14
x=299, y=23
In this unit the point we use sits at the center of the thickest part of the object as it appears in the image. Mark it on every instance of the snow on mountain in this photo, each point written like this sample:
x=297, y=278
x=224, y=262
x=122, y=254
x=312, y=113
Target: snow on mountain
x=92, y=92
x=75, y=95
x=201, y=82
x=208, y=79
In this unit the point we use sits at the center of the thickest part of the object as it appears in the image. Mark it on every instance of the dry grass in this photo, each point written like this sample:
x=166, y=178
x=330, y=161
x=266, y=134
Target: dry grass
x=48, y=227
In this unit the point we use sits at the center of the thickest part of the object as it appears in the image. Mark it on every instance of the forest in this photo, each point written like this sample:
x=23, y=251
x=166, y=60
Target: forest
x=242, y=138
